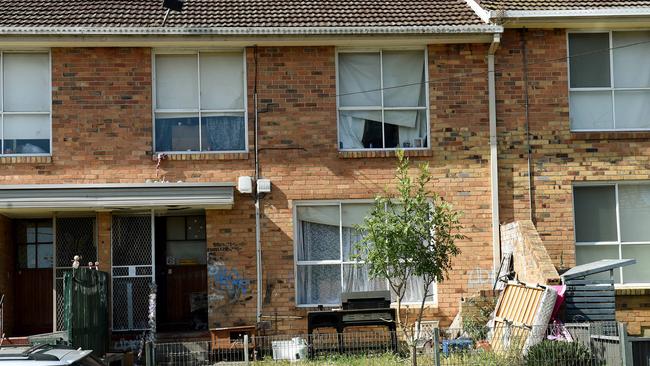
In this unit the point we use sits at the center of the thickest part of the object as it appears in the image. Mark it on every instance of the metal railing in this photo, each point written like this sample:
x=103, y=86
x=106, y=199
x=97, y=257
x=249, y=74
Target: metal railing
x=570, y=344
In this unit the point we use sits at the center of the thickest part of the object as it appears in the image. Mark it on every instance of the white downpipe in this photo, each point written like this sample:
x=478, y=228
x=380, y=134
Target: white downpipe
x=258, y=242
x=494, y=168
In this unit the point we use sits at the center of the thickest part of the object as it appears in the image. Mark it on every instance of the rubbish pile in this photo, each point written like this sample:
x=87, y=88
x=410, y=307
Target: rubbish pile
x=518, y=316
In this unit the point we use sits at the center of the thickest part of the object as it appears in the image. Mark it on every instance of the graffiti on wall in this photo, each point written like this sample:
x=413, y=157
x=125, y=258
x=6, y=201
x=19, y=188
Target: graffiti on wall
x=480, y=278
x=226, y=284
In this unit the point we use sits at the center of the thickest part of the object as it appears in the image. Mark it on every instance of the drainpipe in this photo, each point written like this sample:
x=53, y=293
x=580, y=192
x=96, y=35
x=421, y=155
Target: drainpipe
x=494, y=169
x=258, y=241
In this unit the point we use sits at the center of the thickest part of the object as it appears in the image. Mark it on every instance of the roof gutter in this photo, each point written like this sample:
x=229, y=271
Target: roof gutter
x=234, y=31
x=576, y=13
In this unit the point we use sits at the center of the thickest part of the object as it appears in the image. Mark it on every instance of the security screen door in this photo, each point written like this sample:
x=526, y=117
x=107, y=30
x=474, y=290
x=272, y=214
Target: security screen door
x=132, y=253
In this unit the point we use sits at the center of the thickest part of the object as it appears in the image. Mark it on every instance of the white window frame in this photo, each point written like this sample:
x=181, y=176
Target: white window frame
x=382, y=108
x=619, y=243
x=199, y=111
x=2, y=111
x=340, y=262
x=611, y=87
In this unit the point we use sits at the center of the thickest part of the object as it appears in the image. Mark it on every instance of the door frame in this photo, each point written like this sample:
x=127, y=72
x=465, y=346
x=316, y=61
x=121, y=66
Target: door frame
x=132, y=269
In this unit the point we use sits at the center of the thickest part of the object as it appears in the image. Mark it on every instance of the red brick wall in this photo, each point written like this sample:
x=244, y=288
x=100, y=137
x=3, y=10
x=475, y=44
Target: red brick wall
x=102, y=132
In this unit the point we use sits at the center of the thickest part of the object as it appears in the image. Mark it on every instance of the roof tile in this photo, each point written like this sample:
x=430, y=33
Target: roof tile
x=236, y=13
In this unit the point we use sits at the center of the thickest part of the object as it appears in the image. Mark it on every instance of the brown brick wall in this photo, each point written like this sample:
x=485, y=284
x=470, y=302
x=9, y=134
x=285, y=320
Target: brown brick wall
x=633, y=308
x=559, y=156
x=7, y=263
x=102, y=132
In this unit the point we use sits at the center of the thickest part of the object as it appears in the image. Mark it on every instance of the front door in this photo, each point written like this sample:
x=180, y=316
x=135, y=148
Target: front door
x=34, y=282
x=182, y=274
x=132, y=271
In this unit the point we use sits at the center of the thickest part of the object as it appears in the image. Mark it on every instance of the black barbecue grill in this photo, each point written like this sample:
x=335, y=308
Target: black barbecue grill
x=369, y=308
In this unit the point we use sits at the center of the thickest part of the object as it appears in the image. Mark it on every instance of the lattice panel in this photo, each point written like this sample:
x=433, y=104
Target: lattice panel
x=74, y=236
x=60, y=320
x=131, y=303
x=131, y=241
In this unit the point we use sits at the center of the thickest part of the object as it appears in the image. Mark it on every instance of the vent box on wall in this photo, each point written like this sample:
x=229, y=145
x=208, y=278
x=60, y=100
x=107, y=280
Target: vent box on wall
x=245, y=184
x=263, y=186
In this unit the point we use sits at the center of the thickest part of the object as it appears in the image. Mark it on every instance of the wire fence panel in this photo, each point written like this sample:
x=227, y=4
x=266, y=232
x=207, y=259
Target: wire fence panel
x=588, y=344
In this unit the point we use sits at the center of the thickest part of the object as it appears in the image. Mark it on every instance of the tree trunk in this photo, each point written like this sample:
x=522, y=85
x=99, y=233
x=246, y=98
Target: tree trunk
x=414, y=354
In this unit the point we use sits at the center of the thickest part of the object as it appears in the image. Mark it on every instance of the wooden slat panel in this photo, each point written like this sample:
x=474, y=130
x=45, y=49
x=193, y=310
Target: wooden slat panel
x=602, y=299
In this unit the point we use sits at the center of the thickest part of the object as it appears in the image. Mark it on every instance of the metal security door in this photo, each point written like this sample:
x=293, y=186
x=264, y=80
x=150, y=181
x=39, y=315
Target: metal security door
x=132, y=253
x=74, y=236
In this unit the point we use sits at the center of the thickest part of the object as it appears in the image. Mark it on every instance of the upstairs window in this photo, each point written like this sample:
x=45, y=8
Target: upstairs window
x=609, y=81
x=382, y=100
x=200, y=102
x=25, y=104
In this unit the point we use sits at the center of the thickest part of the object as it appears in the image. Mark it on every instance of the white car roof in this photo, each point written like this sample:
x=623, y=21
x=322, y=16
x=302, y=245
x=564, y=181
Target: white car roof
x=45, y=356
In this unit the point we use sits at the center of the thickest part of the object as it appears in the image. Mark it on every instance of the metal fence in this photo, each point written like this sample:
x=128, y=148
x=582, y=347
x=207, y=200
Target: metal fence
x=569, y=344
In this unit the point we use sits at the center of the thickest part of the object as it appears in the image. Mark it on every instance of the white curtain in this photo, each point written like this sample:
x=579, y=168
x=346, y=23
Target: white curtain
x=632, y=109
x=318, y=242
x=26, y=82
x=415, y=290
x=359, y=79
x=634, y=207
x=222, y=81
x=591, y=110
x=326, y=215
x=177, y=82
x=403, y=73
x=26, y=127
x=351, y=126
x=631, y=51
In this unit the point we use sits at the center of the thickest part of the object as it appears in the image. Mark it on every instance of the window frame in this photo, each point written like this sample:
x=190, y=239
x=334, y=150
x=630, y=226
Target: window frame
x=618, y=243
x=382, y=109
x=2, y=91
x=612, y=89
x=155, y=110
x=340, y=262
x=38, y=223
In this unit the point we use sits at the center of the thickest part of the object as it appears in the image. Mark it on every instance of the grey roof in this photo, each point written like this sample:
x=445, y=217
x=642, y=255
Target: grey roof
x=596, y=267
x=237, y=13
x=562, y=4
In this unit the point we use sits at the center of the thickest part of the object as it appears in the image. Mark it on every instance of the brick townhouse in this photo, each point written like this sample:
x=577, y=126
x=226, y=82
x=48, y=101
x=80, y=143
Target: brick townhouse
x=125, y=130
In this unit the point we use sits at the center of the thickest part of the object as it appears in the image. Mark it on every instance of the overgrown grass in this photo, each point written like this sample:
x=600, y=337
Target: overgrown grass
x=389, y=359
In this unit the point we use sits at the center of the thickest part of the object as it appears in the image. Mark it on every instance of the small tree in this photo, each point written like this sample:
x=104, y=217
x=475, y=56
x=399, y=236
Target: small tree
x=407, y=234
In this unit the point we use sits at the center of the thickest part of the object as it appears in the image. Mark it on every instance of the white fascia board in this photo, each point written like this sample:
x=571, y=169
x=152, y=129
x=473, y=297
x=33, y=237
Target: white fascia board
x=480, y=12
x=233, y=31
x=536, y=14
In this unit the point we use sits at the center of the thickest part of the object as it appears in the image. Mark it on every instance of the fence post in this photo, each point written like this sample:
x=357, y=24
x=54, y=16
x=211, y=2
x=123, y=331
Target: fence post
x=148, y=359
x=625, y=344
x=436, y=345
x=246, y=360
